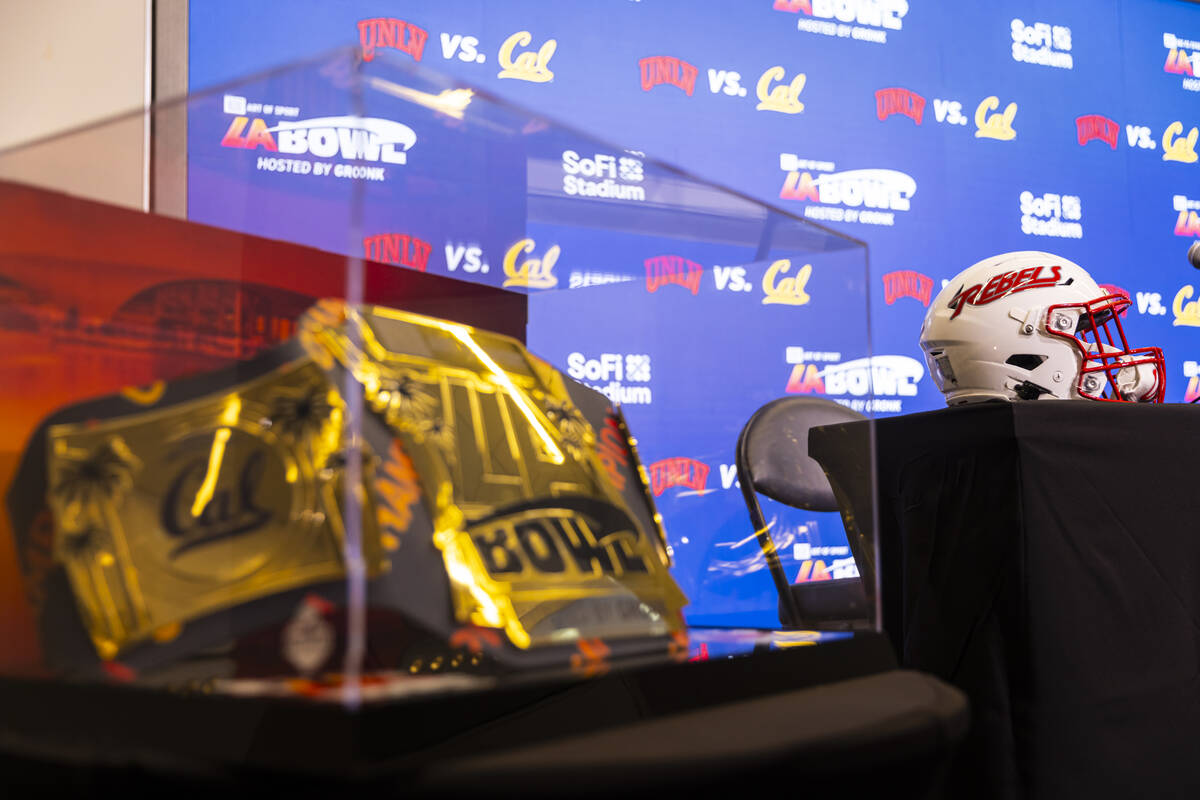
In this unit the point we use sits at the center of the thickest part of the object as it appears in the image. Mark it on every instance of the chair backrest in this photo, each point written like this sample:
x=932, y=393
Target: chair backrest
x=772, y=459
x=772, y=452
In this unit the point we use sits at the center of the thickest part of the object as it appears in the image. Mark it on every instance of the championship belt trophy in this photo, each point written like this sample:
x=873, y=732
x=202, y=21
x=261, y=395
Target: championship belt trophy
x=198, y=531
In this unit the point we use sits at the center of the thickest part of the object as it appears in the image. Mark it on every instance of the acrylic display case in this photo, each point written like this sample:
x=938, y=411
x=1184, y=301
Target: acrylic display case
x=400, y=396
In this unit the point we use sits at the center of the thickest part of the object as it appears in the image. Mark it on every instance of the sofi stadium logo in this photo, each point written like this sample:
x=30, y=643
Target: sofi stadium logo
x=865, y=196
x=1188, y=221
x=864, y=20
x=1041, y=43
x=611, y=373
x=862, y=384
x=359, y=139
x=1054, y=215
x=603, y=175
x=1183, y=58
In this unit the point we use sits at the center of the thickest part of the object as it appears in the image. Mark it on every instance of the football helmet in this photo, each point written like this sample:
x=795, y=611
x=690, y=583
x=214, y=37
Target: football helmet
x=1031, y=326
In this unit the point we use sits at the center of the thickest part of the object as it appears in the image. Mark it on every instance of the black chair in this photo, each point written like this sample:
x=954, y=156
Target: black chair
x=772, y=459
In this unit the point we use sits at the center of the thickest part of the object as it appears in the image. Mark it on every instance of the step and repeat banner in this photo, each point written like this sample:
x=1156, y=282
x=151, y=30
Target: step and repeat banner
x=940, y=133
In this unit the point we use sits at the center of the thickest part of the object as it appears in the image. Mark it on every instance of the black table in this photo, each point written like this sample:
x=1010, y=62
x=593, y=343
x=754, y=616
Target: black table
x=835, y=716
x=1044, y=557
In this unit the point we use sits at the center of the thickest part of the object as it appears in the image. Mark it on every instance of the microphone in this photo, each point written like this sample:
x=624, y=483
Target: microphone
x=1194, y=254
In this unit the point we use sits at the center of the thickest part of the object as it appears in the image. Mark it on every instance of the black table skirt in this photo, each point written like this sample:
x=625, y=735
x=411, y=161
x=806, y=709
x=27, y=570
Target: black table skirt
x=1045, y=558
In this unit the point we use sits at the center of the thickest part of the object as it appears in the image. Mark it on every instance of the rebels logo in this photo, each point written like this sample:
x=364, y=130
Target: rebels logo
x=907, y=283
x=679, y=471
x=391, y=32
x=661, y=270
x=1004, y=284
x=896, y=100
x=1095, y=126
x=657, y=70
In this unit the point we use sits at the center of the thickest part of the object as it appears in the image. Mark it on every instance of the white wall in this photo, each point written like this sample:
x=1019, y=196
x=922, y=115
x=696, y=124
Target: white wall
x=68, y=63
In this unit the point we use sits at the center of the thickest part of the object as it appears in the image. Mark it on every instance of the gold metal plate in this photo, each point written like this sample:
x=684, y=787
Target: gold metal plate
x=174, y=513
x=535, y=538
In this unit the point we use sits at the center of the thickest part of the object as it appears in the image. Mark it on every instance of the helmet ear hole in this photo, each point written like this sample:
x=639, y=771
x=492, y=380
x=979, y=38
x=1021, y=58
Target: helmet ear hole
x=1026, y=361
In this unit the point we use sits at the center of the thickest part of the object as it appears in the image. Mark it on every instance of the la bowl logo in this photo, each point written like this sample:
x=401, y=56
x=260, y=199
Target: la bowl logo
x=888, y=190
x=350, y=138
x=882, y=377
x=1183, y=58
x=864, y=20
x=1188, y=221
x=1191, y=371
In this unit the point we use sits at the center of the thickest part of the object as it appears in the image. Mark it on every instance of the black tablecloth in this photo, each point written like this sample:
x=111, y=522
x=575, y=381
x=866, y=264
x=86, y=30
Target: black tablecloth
x=1045, y=558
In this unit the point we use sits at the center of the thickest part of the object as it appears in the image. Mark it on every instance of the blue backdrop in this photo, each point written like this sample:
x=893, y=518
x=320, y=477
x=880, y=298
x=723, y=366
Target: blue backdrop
x=938, y=132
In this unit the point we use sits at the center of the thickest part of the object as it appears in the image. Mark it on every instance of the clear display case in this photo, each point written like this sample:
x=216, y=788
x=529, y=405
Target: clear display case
x=401, y=392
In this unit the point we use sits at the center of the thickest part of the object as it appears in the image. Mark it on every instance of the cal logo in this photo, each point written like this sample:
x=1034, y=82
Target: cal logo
x=661, y=270
x=783, y=289
x=527, y=66
x=1177, y=147
x=679, y=471
x=996, y=125
x=1187, y=311
x=896, y=100
x=1096, y=126
x=657, y=70
x=533, y=273
x=907, y=283
x=783, y=97
x=394, y=33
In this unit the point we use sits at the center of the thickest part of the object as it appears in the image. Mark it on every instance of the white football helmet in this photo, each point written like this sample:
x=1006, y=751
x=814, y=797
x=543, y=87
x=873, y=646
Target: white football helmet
x=1032, y=326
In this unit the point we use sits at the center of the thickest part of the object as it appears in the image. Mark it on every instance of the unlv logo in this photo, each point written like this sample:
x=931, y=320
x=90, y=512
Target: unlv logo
x=679, y=471
x=657, y=70
x=907, y=283
x=1096, y=126
x=394, y=33
x=661, y=270
x=398, y=248
x=899, y=101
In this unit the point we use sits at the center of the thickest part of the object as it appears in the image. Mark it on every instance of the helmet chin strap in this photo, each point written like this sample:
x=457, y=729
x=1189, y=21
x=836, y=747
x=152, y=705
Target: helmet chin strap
x=1026, y=390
